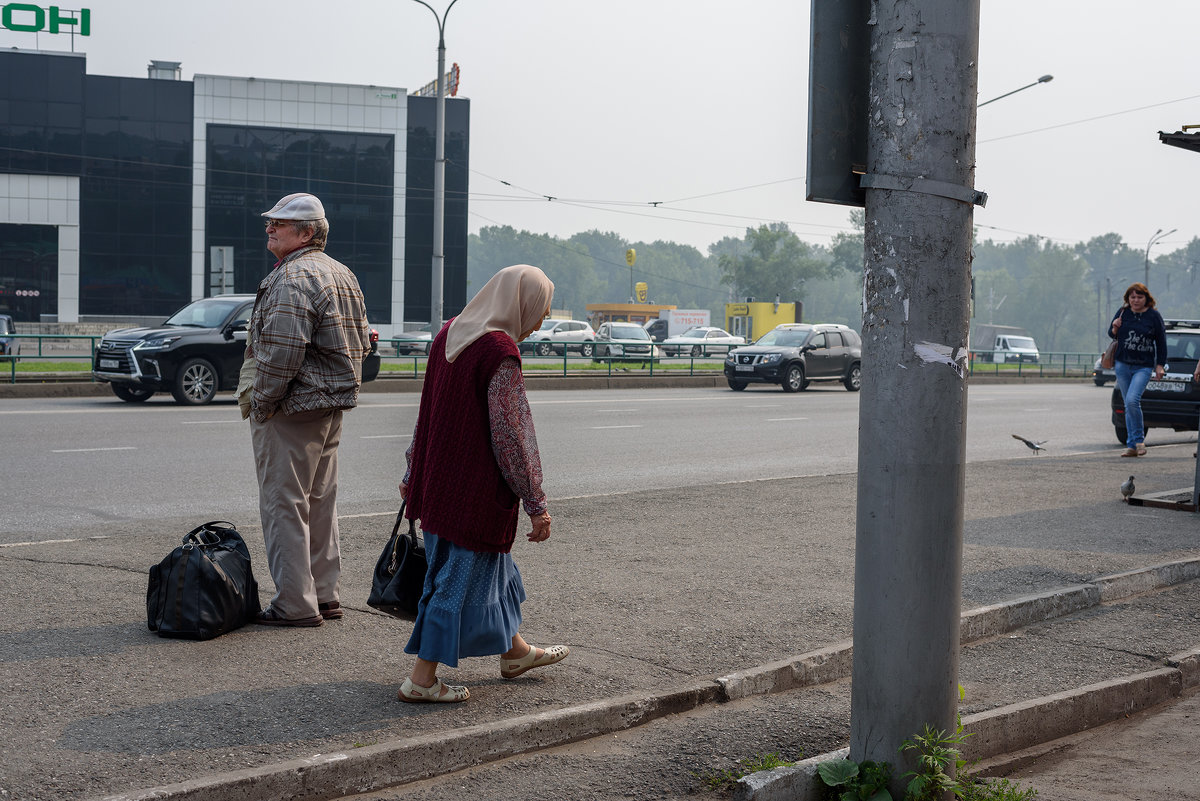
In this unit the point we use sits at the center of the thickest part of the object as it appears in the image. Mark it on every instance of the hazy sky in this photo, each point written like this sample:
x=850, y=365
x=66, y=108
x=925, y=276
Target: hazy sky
x=702, y=105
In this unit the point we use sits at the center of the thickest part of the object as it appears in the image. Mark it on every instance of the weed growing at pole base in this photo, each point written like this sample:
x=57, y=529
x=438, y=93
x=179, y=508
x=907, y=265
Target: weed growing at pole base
x=726, y=779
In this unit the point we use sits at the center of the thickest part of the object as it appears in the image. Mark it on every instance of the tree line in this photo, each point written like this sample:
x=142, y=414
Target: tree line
x=1062, y=294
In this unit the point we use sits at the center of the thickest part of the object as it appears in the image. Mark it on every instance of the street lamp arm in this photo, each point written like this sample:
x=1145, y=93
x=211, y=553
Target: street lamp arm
x=441, y=20
x=1043, y=79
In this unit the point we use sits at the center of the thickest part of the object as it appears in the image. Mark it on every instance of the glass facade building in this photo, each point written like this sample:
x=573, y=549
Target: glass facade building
x=130, y=197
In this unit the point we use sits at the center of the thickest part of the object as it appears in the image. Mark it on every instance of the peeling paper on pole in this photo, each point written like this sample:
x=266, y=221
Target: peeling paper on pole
x=934, y=353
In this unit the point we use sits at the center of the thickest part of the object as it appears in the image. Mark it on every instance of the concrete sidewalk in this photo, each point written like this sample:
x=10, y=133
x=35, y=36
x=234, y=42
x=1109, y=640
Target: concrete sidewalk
x=681, y=623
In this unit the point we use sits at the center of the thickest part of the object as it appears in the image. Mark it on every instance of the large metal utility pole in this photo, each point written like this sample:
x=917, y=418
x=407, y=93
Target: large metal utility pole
x=438, y=271
x=912, y=422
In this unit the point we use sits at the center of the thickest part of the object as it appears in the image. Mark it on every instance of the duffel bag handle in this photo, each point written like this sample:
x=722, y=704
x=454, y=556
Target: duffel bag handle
x=206, y=534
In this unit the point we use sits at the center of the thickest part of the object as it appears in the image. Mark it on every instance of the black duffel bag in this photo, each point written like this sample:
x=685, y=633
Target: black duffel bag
x=205, y=587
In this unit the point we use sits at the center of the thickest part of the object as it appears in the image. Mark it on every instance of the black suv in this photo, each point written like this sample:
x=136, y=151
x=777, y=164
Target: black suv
x=1173, y=402
x=795, y=354
x=195, y=354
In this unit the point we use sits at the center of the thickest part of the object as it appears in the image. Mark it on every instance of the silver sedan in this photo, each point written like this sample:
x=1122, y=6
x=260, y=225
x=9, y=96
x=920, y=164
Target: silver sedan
x=701, y=341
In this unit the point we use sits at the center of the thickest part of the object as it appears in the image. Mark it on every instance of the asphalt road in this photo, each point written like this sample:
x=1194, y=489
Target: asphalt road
x=74, y=463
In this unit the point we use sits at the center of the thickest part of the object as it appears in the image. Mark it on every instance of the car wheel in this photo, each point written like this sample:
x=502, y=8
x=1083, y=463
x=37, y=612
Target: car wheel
x=1098, y=382
x=853, y=379
x=695, y=350
x=542, y=349
x=131, y=394
x=195, y=382
x=1122, y=434
x=735, y=385
x=586, y=349
x=793, y=378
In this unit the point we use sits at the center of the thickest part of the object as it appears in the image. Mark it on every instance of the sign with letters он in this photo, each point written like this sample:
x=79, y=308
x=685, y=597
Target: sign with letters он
x=28, y=18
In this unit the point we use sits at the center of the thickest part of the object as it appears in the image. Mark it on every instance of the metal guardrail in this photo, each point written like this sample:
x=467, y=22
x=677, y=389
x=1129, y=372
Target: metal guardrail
x=980, y=361
x=1058, y=365
x=42, y=355
x=652, y=364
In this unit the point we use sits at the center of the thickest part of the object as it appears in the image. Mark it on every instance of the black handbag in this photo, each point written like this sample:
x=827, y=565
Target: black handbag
x=205, y=587
x=400, y=572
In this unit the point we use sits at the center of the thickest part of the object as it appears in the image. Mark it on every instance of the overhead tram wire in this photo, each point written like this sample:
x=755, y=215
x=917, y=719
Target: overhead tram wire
x=1088, y=119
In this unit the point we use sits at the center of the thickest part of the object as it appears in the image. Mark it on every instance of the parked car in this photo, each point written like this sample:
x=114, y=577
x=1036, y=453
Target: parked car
x=623, y=341
x=9, y=344
x=1173, y=402
x=701, y=341
x=795, y=354
x=1102, y=375
x=408, y=343
x=196, y=353
x=554, y=332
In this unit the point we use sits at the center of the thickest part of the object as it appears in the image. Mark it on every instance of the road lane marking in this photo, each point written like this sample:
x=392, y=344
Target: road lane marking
x=784, y=419
x=601, y=428
x=387, y=436
x=52, y=542
x=207, y=422
x=92, y=450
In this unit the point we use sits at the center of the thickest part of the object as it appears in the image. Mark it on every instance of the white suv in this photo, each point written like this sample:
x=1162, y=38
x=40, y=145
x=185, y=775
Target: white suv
x=548, y=339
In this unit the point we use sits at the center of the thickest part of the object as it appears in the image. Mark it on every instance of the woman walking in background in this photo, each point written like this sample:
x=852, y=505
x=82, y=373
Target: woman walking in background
x=473, y=460
x=1141, y=353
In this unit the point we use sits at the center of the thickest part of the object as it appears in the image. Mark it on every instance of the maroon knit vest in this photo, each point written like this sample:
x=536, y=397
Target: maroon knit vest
x=455, y=486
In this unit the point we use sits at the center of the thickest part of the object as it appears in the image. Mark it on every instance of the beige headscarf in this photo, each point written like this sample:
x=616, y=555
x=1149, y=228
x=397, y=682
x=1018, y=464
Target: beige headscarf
x=514, y=301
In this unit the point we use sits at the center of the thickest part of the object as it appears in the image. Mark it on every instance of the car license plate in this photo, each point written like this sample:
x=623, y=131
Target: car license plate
x=744, y=368
x=110, y=363
x=1167, y=386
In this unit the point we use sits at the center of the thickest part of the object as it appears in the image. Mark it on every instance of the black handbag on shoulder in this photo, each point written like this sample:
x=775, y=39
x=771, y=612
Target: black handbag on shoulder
x=205, y=587
x=400, y=572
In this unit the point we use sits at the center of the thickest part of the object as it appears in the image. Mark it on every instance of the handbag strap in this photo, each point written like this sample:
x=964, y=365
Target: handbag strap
x=412, y=526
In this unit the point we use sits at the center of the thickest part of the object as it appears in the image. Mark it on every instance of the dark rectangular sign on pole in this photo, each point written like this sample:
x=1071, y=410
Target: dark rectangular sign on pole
x=838, y=76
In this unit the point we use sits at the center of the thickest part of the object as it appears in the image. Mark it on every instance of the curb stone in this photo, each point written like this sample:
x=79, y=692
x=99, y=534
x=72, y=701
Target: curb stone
x=1007, y=730
x=379, y=766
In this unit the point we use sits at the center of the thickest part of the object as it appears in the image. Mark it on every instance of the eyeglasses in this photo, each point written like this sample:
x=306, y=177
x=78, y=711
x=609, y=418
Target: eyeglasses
x=277, y=223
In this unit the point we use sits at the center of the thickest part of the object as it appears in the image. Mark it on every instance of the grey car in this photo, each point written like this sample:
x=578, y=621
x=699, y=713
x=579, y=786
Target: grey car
x=621, y=340
x=9, y=344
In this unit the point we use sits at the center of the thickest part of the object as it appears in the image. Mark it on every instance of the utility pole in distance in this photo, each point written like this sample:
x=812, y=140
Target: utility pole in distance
x=920, y=200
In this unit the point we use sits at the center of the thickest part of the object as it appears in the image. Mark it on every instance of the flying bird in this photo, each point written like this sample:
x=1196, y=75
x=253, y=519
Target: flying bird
x=1033, y=446
x=1127, y=489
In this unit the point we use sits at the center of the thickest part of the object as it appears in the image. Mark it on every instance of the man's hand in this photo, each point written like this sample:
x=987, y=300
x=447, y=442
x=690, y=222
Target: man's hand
x=403, y=491
x=1159, y=372
x=541, y=527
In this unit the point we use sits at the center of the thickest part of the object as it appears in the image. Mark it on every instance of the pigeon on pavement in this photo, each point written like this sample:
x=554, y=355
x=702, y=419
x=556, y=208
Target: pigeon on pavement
x=1033, y=446
x=1127, y=489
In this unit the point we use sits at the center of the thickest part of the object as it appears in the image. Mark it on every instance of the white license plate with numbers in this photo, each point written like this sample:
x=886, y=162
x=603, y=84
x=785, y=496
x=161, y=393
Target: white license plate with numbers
x=109, y=364
x=1167, y=386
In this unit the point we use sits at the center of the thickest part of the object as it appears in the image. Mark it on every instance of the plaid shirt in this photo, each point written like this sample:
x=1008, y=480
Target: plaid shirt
x=309, y=336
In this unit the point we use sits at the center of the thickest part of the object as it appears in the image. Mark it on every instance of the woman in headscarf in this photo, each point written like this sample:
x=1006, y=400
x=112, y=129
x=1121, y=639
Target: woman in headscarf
x=472, y=463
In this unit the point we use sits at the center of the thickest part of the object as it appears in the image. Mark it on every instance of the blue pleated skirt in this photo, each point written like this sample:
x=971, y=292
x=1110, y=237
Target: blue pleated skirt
x=471, y=604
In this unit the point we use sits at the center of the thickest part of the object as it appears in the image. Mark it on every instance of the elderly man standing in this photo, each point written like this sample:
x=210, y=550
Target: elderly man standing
x=307, y=340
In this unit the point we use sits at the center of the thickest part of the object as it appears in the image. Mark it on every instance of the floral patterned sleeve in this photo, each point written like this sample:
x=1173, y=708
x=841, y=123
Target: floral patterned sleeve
x=513, y=439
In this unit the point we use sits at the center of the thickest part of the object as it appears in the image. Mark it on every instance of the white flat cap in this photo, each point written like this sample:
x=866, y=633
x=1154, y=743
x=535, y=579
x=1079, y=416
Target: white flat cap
x=299, y=206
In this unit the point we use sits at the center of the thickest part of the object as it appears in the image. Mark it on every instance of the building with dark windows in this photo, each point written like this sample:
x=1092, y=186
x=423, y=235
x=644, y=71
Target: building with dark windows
x=130, y=197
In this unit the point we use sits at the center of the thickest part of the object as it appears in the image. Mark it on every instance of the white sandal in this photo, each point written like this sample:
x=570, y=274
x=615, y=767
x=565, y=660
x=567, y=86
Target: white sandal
x=511, y=668
x=416, y=694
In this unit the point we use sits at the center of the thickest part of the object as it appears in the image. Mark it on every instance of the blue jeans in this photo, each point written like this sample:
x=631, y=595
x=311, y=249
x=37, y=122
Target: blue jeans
x=1132, y=382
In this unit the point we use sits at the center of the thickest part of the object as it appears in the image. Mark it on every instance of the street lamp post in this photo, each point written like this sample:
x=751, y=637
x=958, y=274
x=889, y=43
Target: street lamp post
x=1043, y=79
x=439, y=175
x=1159, y=235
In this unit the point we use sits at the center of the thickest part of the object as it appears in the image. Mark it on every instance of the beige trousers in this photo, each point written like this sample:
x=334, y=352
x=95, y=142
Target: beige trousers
x=295, y=456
